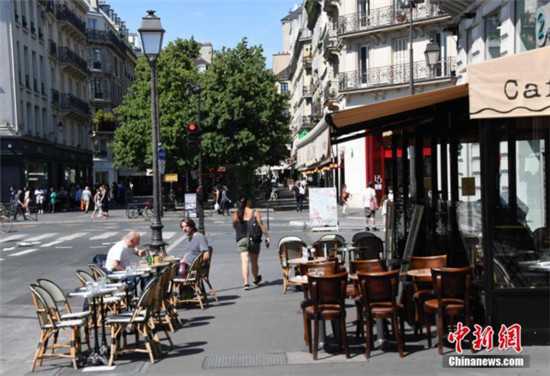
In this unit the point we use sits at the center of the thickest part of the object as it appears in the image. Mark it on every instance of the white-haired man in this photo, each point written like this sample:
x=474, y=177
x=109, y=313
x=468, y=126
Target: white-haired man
x=124, y=252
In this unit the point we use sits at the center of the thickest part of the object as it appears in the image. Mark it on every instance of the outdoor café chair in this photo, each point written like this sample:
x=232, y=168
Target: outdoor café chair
x=192, y=281
x=205, y=273
x=290, y=247
x=328, y=244
x=161, y=314
x=84, y=277
x=139, y=319
x=60, y=300
x=328, y=295
x=452, y=291
x=367, y=246
x=422, y=287
x=112, y=302
x=97, y=272
x=51, y=325
x=379, y=301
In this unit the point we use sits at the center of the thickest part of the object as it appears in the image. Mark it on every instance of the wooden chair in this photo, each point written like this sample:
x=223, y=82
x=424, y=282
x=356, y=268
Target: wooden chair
x=290, y=247
x=328, y=294
x=379, y=301
x=422, y=287
x=369, y=246
x=452, y=291
x=139, y=319
x=192, y=281
x=51, y=325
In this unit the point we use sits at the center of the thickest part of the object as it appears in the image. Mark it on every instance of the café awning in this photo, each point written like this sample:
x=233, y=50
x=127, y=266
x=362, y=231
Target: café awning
x=359, y=118
x=314, y=149
x=511, y=86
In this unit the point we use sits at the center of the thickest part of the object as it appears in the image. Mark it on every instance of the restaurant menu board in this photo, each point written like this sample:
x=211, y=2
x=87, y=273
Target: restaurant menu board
x=191, y=205
x=323, y=208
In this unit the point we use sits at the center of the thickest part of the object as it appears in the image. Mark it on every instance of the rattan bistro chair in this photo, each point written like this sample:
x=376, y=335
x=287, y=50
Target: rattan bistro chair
x=60, y=300
x=290, y=247
x=192, y=281
x=51, y=325
x=139, y=319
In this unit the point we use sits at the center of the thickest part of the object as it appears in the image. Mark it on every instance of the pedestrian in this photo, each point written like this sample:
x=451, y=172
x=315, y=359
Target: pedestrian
x=19, y=203
x=53, y=199
x=39, y=197
x=217, y=199
x=98, y=200
x=344, y=197
x=78, y=198
x=124, y=253
x=105, y=202
x=295, y=190
x=27, y=201
x=225, y=202
x=371, y=205
x=249, y=228
x=301, y=196
x=86, y=198
x=193, y=244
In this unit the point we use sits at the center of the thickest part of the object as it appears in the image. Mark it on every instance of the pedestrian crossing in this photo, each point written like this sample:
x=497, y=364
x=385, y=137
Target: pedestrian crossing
x=22, y=243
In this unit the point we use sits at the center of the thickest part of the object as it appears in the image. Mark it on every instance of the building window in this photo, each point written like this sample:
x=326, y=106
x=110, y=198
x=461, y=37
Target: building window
x=363, y=63
x=469, y=44
x=92, y=24
x=492, y=35
x=19, y=67
x=96, y=59
x=525, y=25
x=284, y=87
x=37, y=121
x=97, y=91
x=30, y=123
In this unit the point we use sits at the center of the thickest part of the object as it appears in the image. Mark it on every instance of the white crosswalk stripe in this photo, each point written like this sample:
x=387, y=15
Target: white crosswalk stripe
x=65, y=238
x=12, y=237
x=168, y=235
x=105, y=235
x=24, y=252
x=41, y=237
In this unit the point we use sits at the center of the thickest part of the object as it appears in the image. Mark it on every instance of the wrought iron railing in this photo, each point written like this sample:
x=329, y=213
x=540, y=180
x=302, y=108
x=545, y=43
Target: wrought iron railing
x=396, y=74
x=64, y=14
x=305, y=35
x=386, y=16
x=102, y=36
x=67, y=56
x=69, y=102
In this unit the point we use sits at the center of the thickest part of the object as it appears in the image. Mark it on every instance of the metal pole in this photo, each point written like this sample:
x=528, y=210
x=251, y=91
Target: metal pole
x=201, y=208
x=187, y=173
x=156, y=225
x=411, y=54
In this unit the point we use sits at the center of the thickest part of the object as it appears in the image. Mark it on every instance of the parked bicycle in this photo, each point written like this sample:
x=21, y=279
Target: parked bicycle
x=135, y=210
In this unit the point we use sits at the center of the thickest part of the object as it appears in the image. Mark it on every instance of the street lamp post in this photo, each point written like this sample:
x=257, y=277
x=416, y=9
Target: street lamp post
x=197, y=90
x=151, y=33
x=411, y=4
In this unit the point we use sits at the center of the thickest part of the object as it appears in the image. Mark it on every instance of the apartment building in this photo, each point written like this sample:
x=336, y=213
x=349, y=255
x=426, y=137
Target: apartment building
x=44, y=107
x=349, y=53
x=111, y=61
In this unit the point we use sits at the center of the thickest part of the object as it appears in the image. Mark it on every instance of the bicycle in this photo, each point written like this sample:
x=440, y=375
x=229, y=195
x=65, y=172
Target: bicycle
x=6, y=219
x=136, y=210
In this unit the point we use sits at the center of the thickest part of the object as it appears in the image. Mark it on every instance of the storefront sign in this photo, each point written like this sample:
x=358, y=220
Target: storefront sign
x=514, y=86
x=542, y=26
x=315, y=147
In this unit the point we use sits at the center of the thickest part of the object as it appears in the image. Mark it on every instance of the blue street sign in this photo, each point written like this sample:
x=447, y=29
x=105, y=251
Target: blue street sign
x=162, y=154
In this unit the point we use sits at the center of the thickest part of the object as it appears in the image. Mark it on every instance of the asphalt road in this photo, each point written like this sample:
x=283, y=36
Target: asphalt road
x=256, y=332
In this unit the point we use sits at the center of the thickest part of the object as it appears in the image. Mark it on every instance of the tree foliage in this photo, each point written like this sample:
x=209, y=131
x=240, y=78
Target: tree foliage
x=244, y=119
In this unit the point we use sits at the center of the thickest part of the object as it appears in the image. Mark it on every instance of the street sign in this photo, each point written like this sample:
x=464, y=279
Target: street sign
x=162, y=154
x=162, y=166
x=171, y=178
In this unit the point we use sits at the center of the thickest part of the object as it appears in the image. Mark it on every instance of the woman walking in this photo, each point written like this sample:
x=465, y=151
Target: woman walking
x=98, y=199
x=246, y=222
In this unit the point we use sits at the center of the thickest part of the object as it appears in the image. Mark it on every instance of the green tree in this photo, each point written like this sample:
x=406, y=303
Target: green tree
x=245, y=119
x=132, y=142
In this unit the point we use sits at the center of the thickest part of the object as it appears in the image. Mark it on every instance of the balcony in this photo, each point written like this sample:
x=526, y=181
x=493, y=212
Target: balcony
x=69, y=18
x=69, y=104
x=305, y=35
x=385, y=17
x=52, y=48
x=71, y=61
x=397, y=74
x=107, y=37
x=55, y=98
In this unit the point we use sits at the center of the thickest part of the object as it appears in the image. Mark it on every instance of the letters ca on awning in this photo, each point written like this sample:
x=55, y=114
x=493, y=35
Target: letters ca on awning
x=513, y=86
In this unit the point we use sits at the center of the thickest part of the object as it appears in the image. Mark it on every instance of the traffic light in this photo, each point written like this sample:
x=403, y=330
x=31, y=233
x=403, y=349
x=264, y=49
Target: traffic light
x=193, y=131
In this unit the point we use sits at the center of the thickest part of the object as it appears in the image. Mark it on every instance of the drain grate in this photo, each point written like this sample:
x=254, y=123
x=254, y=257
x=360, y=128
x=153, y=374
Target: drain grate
x=245, y=360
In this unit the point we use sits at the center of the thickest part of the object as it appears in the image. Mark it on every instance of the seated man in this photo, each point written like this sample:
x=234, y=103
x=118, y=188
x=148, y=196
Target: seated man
x=124, y=253
x=194, y=244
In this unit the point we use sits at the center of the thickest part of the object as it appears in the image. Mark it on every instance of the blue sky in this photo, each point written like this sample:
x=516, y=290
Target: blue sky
x=221, y=22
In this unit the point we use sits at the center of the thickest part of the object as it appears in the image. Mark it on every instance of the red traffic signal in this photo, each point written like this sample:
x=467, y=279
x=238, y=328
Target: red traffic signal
x=192, y=128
